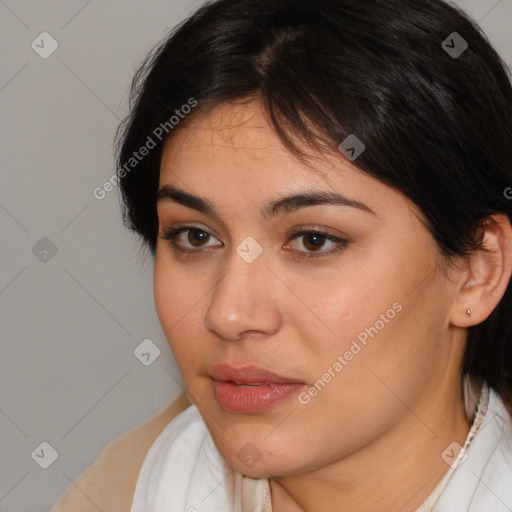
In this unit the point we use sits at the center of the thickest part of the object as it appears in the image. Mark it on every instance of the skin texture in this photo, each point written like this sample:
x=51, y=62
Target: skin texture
x=372, y=438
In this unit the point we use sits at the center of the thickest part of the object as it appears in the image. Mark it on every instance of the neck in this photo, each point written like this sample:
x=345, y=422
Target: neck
x=397, y=471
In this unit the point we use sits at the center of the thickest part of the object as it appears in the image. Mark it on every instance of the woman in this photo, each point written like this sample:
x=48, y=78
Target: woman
x=325, y=189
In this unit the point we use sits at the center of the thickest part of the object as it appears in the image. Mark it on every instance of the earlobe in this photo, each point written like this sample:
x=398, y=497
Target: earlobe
x=487, y=276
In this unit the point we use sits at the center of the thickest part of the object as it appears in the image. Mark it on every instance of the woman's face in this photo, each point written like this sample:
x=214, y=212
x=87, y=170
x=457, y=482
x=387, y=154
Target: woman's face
x=298, y=349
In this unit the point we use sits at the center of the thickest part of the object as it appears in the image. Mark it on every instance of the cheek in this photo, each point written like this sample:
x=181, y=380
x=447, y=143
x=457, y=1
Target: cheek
x=335, y=309
x=383, y=349
x=167, y=294
x=179, y=301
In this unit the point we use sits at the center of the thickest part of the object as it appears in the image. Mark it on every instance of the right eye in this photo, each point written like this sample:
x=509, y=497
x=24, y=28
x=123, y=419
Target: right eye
x=187, y=239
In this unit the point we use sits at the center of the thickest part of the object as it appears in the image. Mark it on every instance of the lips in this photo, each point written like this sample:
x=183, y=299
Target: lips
x=250, y=389
x=249, y=375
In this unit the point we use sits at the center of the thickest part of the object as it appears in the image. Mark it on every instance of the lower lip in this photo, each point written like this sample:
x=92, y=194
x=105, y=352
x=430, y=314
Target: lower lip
x=251, y=399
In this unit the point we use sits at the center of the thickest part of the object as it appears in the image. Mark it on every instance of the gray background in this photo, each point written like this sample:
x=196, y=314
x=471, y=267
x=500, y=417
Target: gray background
x=70, y=321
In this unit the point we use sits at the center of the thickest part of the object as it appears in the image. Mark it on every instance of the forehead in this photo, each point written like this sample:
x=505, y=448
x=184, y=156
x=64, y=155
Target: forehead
x=240, y=137
x=231, y=133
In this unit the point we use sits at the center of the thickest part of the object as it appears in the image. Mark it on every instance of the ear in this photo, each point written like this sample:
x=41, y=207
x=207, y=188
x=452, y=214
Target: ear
x=487, y=275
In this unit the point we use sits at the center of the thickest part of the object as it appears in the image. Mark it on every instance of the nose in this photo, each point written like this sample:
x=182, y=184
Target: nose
x=243, y=301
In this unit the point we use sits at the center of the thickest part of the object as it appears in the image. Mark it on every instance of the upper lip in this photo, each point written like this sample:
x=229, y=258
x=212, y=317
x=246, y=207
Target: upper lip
x=249, y=375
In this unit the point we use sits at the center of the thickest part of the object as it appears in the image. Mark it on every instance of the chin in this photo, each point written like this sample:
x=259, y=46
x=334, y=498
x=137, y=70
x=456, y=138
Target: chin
x=252, y=463
x=263, y=469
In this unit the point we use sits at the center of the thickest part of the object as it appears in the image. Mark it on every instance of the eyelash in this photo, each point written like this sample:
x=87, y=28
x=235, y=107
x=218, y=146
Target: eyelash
x=172, y=234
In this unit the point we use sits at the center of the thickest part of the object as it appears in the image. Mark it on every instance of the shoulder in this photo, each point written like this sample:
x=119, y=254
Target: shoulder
x=110, y=482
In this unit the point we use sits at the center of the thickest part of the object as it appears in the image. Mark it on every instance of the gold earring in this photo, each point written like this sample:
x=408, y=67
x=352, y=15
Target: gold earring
x=468, y=312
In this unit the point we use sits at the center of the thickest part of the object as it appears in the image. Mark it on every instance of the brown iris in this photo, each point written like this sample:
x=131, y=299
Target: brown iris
x=197, y=238
x=313, y=241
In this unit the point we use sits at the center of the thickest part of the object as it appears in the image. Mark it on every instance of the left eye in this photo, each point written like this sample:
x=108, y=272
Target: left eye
x=314, y=241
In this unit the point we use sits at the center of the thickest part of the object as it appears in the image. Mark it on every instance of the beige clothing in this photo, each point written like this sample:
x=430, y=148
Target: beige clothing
x=108, y=485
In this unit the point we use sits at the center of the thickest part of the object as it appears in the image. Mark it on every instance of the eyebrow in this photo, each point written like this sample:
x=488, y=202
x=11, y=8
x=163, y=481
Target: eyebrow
x=277, y=207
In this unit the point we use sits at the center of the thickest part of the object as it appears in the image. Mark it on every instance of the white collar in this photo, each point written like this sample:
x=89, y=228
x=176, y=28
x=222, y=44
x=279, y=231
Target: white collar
x=482, y=480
